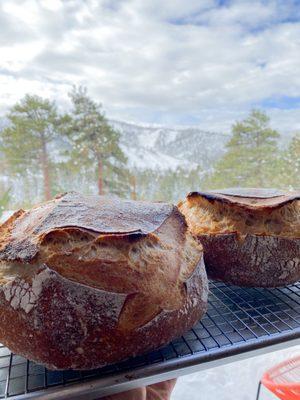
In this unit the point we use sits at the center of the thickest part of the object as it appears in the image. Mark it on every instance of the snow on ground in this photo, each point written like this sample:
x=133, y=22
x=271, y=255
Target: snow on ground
x=5, y=215
x=150, y=139
x=142, y=158
x=236, y=381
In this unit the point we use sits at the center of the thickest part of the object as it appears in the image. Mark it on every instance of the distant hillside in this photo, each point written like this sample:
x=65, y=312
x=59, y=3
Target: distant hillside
x=160, y=147
x=154, y=153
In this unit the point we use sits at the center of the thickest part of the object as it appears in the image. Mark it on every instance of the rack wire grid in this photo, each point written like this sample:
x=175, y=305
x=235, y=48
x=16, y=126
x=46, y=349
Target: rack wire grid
x=238, y=320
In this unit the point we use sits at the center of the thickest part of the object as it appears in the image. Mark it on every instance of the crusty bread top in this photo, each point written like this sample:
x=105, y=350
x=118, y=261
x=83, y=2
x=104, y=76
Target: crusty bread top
x=211, y=213
x=139, y=250
x=251, y=198
x=21, y=234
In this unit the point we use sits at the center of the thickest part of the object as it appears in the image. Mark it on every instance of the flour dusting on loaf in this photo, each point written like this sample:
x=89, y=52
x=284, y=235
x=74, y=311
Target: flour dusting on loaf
x=22, y=294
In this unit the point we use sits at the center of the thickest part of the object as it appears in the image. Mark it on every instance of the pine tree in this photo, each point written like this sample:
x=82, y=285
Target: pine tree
x=4, y=200
x=252, y=155
x=96, y=145
x=33, y=124
x=290, y=172
x=169, y=185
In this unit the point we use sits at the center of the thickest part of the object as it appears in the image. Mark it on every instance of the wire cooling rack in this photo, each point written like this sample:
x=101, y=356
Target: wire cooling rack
x=238, y=320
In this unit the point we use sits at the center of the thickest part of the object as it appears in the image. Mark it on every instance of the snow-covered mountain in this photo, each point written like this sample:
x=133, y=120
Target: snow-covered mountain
x=161, y=147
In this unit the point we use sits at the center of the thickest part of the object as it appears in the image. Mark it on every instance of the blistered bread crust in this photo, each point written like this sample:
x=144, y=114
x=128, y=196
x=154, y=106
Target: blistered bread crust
x=247, y=241
x=88, y=281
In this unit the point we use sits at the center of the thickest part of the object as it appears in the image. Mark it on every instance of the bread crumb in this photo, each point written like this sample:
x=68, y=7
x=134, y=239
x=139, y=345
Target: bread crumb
x=80, y=350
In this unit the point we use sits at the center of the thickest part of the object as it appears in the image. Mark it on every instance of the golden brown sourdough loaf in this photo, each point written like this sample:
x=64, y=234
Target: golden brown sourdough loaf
x=251, y=237
x=87, y=280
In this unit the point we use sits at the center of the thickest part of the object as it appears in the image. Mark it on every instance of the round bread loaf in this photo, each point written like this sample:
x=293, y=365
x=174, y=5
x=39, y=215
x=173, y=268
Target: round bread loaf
x=251, y=237
x=87, y=280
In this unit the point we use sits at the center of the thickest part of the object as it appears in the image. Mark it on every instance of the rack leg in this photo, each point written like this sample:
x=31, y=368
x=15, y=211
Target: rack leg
x=258, y=390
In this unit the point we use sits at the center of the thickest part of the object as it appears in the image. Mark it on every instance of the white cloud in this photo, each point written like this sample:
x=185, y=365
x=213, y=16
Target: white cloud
x=52, y=5
x=159, y=61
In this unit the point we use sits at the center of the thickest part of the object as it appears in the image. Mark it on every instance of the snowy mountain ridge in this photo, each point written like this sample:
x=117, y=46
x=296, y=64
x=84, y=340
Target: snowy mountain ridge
x=168, y=148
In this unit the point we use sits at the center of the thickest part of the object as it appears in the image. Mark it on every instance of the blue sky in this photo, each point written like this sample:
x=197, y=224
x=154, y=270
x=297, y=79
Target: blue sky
x=280, y=102
x=171, y=62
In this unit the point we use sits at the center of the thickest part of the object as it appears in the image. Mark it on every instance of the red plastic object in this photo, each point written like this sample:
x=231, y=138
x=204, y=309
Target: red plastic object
x=284, y=379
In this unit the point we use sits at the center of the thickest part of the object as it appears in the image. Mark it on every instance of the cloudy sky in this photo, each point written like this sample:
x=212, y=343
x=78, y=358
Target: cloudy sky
x=174, y=62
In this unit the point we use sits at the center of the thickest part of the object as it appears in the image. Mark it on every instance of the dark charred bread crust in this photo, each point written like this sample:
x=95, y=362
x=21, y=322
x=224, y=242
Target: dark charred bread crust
x=86, y=281
x=99, y=214
x=251, y=198
x=251, y=237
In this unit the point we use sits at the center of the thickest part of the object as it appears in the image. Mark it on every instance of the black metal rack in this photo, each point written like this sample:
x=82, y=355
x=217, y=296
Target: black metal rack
x=238, y=320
